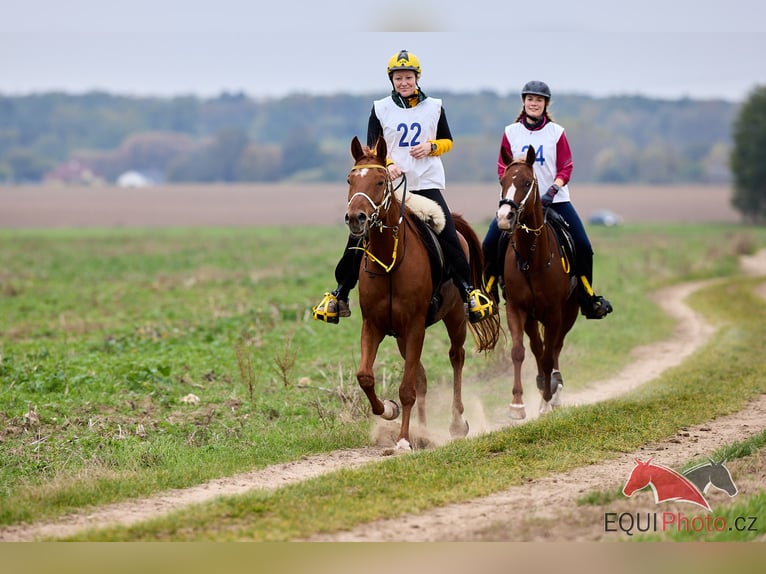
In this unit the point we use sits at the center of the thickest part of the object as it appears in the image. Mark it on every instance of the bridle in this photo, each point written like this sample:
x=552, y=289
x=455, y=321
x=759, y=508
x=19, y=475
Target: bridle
x=375, y=218
x=518, y=209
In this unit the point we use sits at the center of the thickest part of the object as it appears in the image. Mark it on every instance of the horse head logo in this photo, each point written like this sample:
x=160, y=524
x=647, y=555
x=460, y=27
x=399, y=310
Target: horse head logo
x=714, y=474
x=667, y=484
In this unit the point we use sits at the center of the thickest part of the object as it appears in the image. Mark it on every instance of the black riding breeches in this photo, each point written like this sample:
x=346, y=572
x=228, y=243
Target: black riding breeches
x=347, y=270
x=583, y=247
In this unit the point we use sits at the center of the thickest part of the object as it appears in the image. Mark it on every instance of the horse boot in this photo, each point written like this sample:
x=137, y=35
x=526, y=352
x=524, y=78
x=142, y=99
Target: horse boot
x=592, y=306
x=332, y=307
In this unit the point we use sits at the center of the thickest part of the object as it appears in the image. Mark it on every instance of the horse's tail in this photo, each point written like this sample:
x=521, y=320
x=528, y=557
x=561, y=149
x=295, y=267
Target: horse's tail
x=485, y=333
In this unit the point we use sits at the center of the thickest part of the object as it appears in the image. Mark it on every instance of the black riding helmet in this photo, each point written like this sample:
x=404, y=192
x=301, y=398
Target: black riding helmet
x=537, y=88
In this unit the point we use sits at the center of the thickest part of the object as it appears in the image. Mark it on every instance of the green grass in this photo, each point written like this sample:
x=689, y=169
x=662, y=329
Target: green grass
x=466, y=469
x=105, y=331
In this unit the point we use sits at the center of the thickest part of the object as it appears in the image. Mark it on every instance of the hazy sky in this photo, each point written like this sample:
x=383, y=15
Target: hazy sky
x=657, y=48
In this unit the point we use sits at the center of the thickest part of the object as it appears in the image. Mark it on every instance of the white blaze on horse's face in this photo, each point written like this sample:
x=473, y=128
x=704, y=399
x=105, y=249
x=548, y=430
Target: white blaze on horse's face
x=504, y=213
x=361, y=207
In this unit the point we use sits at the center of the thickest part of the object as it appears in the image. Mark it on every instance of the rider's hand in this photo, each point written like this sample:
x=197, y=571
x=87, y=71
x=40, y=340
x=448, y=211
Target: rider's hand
x=421, y=150
x=394, y=171
x=547, y=199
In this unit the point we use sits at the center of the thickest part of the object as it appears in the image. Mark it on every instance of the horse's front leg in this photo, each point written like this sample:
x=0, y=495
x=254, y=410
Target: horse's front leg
x=569, y=316
x=421, y=385
x=515, y=321
x=532, y=328
x=371, y=338
x=413, y=346
x=550, y=340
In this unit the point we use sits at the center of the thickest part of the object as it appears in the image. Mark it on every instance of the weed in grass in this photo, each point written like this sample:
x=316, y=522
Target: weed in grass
x=245, y=364
x=284, y=362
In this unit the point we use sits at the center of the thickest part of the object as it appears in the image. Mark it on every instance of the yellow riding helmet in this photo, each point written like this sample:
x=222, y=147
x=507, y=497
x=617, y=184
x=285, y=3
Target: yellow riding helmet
x=403, y=60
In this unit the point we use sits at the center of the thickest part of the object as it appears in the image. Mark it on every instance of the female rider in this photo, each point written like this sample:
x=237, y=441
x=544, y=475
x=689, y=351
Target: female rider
x=416, y=132
x=553, y=168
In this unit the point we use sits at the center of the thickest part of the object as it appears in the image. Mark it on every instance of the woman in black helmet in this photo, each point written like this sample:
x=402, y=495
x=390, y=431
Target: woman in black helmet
x=416, y=132
x=553, y=168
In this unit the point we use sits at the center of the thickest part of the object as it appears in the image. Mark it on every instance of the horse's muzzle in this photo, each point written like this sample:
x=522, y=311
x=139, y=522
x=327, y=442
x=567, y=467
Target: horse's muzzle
x=505, y=217
x=357, y=223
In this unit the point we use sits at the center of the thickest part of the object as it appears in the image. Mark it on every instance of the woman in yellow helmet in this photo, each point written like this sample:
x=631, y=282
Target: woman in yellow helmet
x=417, y=133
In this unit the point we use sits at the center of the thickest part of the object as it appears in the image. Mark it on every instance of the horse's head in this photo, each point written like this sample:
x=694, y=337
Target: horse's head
x=639, y=477
x=369, y=187
x=720, y=477
x=518, y=189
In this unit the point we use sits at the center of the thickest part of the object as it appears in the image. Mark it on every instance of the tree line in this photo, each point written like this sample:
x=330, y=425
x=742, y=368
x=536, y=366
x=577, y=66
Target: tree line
x=301, y=137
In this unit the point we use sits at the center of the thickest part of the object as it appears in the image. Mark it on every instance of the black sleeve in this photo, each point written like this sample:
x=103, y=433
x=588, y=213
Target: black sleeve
x=374, y=129
x=442, y=128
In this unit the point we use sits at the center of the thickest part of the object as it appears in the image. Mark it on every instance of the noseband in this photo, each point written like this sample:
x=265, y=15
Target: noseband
x=519, y=208
x=384, y=204
x=375, y=217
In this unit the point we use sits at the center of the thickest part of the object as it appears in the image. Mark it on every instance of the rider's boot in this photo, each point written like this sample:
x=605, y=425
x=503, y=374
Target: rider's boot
x=591, y=305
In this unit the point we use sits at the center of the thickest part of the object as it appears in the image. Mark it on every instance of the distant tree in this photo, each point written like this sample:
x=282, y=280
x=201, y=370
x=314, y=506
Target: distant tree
x=747, y=158
x=300, y=152
x=26, y=166
x=226, y=152
x=260, y=163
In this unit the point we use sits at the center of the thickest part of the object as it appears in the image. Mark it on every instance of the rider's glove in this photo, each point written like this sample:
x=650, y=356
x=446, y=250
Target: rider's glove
x=547, y=199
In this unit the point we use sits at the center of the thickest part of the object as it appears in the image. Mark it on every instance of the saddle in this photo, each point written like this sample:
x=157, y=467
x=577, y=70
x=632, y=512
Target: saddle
x=440, y=272
x=566, y=243
x=429, y=221
x=425, y=210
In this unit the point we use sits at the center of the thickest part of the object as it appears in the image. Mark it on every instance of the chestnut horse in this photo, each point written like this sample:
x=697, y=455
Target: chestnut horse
x=396, y=288
x=538, y=288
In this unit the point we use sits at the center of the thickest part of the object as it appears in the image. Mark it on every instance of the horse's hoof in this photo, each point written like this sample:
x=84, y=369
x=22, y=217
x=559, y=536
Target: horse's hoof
x=545, y=407
x=391, y=410
x=457, y=430
x=517, y=412
x=556, y=398
x=403, y=445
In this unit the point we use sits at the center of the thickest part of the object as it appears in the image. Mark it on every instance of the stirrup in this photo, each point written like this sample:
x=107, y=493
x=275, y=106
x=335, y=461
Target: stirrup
x=480, y=306
x=327, y=310
x=597, y=308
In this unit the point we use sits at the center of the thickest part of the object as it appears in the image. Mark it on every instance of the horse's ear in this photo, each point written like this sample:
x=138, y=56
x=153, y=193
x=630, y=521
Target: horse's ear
x=356, y=148
x=506, y=156
x=531, y=156
x=381, y=149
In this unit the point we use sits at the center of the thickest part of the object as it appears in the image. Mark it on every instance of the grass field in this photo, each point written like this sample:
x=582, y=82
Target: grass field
x=107, y=334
